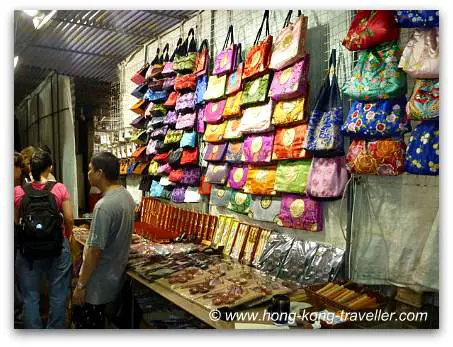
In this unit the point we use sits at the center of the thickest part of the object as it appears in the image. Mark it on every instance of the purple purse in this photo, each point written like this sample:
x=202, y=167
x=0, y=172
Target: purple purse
x=169, y=83
x=225, y=61
x=234, y=152
x=185, y=102
x=171, y=118
x=159, y=133
x=213, y=111
x=186, y=121
x=200, y=126
x=178, y=194
x=301, y=212
x=217, y=173
x=257, y=149
x=164, y=169
x=237, y=177
x=151, y=147
x=215, y=152
x=291, y=82
x=191, y=177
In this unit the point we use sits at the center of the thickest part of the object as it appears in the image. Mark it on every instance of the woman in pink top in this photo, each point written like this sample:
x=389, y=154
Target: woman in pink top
x=55, y=268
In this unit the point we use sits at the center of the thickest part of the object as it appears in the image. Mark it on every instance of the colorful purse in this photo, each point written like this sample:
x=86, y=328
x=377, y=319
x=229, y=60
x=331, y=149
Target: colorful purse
x=173, y=136
x=178, y=194
x=175, y=176
x=217, y=173
x=139, y=76
x=226, y=59
x=292, y=176
x=424, y=102
x=139, y=152
x=156, y=85
x=259, y=56
x=200, y=124
x=219, y=196
x=289, y=46
x=164, y=181
x=239, y=202
x=186, y=121
x=140, y=122
x=191, y=176
x=380, y=119
x=171, y=100
x=168, y=70
x=157, y=65
x=164, y=169
x=169, y=84
x=159, y=133
x=153, y=167
x=202, y=60
x=257, y=149
x=157, y=110
x=157, y=97
x=216, y=88
x=232, y=131
x=420, y=58
x=161, y=147
x=237, y=177
x=140, y=137
x=234, y=152
x=161, y=157
x=370, y=28
x=185, y=102
x=186, y=83
x=140, y=168
x=422, y=157
x=184, y=60
x=255, y=92
x=301, y=212
x=189, y=139
x=190, y=156
x=234, y=80
x=204, y=188
x=140, y=91
x=265, y=208
x=417, y=18
x=215, y=152
x=139, y=107
x=192, y=195
x=213, y=111
x=156, y=189
x=200, y=90
x=233, y=106
x=291, y=82
x=327, y=178
x=380, y=157
x=289, y=143
x=166, y=193
x=214, y=132
x=157, y=122
x=174, y=158
x=261, y=180
x=171, y=119
x=376, y=75
x=257, y=119
x=290, y=112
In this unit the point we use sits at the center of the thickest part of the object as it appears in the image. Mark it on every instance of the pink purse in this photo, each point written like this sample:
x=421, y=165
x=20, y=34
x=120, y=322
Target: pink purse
x=225, y=61
x=215, y=152
x=237, y=177
x=291, y=82
x=200, y=125
x=301, y=212
x=257, y=149
x=327, y=178
x=213, y=111
x=186, y=121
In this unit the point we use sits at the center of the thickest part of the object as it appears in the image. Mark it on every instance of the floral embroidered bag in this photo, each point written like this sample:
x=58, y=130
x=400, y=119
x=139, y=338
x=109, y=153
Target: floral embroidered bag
x=292, y=82
x=301, y=212
x=237, y=176
x=226, y=59
x=288, y=143
x=261, y=180
x=424, y=102
x=257, y=149
x=417, y=18
x=292, y=176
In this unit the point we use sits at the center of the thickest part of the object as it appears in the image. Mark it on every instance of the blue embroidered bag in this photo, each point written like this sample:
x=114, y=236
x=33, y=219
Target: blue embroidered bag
x=156, y=97
x=417, y=18
x=189, y=139
x=156, y=189
x=202, y=85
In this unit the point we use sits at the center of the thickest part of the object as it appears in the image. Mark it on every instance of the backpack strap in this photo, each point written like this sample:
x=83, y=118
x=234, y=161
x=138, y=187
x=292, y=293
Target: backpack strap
x=49, y=185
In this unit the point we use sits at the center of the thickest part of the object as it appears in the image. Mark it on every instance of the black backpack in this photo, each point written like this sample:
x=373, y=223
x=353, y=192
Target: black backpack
x=40, y=232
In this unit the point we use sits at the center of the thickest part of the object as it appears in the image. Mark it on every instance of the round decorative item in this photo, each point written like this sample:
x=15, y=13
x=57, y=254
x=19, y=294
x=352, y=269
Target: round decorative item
x=239, y=198
x=215, y=149
x=214, y=107
x=297, y=207
x=285, y=76
x=220, y=193
x=257, y=144
x=238, y=174
x=265, y=202
x=291, y=173
x=286, y=41
x=288, y=137
x=288, y=106
x=261, y=175
x=254, y=87
x=256, y=58
x=224, y=61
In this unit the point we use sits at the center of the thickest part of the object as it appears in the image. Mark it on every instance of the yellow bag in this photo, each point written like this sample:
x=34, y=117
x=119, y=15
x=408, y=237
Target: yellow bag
x=233, y=106
x=214, y=132
x=290, y=112
x=261, y=180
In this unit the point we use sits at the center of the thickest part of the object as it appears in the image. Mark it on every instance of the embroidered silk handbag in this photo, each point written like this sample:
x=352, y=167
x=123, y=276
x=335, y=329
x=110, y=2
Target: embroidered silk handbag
x=189, y=139
x=191, y=176
x=259, y=56
x=140, y=91
x=216, y=88
x=170, y=119
x=214, y=132
x=292, y=82
x=140, y=122
x=265, y=208
x=159, y=133
x=239, y=202
x=257, y=149
x=257, y=119
x=175, y=176
x=417, y=18
x=232, y=130
x=200, y=123
x=192, y=195
x=255, y=91
x=370, y=28
x=173, y=136
x=139, y=76
x=424, y=102
x=153, y=167
x=290, y=112
x=161, y=157
x=261, y=180
x=156, y=189
x=164, y=169
x=233, y=106
x=185, y=103
x=301, y=212
x=204, y=188
x=215, y=152
x=169, y=83
x=202, y=85
x=174, y=158
x=380, y=157
x=292, y=176
x=219, y=196
x=237, y=177
x=157, y=97
x=186, y=121
x=225, y=61
x=202, y=60
x=217, y=173
x=234, y=152
x=139, y=107
x=420, y=58
x=178, y=194
x=186, y=83
x=288, y=143
x=168, y=70
x=213, y=111
x=184, y=60
x=376, y=75
x=234, y=80
x=140, y=137
x=289, y=46
x=422, y=156
x=190, y=156
x=171, y=100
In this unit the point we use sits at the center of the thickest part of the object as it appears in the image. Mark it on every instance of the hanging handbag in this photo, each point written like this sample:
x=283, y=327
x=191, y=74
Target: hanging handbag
x=257, y=149
x=185, y=103
x=265, y=208
x=290, y=112
x=164, y=169
x=216, y=88
x=191, y=176
x=189, y=156
x=233, y=106
x=170, y=119
x=234, y=152
x=232, y=130
x=289, y=46
x=237, y=177
x=234, y=80
x=289, y=143
x=239, y=202
x=380, y=119
x=324, y=138
x=169, y=83
x=186, y=121
x=140, y=138
x=189, y=139
x=292, y=82
x=420, y=58
x=156, y=189
x=200, y=123
x=157, y=97
x=220, y=196
x=257, y=119
x=139, y=76
x=259, y=56
x=156, y=85
x=174, y=158
x=417, y=18
x=376, y=75
x=217, y=173
x=139, y=152
x=301, y=212
x=202, y=85
x=162, y=157
x=226, y=59
x=140, y=122
x=157, y=110
x=139, y=92
x=159, y=133
x=380, y=157
x=139, y=107
x=261, y=180
x=213, y=111
x=153, y=167
x=202, y=60
x=151, y=147
x=424, y=102
x=173, y=136
x=215, y=152
x=162, y=147
x=192, y=195
x=292, y=176
x=422, y=157
x=327, y=178
x=168, y=70
x=186, y=83
x=214, y=132
x=205, y=187
x=157, y=122
x=157, y=65
x=184, y=61
x=140, y=168
x=178, y=194
x=370, y=28
x=175, y=176
x=255, y=91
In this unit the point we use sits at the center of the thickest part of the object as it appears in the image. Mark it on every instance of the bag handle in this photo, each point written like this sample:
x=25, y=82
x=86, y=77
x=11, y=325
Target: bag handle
x=193, y=44
x=204, y=44
x=329, y=88
x=238, y=54
x=178, y=44
x=156, y=58
x=288, y=17
x=265, y=19
x=229, y=37
x=164, y=56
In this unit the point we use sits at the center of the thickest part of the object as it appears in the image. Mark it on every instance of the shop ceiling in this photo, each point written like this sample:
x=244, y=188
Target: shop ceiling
x=88, y=43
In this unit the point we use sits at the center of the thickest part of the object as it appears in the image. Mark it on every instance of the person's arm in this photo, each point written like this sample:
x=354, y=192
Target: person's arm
x=68, y=217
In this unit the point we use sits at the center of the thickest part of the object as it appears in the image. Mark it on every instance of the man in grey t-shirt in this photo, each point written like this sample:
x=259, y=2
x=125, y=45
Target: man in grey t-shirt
x=107, y=248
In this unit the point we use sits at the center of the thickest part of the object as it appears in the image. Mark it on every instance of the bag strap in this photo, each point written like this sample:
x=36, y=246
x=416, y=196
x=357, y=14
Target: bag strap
x=288, y=17
x=204, y=44
x=165, y=56
x=238, y=54
x=49, y=186
x=156, y=58
x=229, y=37
x=265, y=19
x=178, y=44
x=192, y=48
x=329, y=88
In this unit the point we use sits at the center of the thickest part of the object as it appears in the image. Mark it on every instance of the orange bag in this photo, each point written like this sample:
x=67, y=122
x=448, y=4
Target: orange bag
x=288, y=143
x=214, y=132
x=261, y=180
x=233, y=106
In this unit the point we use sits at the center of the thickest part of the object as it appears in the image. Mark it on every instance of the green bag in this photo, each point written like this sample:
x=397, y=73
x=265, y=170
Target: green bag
x=173, y=136
x=292, y=176
x=240, y=202
x=140, y=137
x=184, y=61
x=376, y=75
x=255, y=92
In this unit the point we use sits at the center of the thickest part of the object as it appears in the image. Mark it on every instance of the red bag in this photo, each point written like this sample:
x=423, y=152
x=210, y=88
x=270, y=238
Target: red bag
x=176, y=176
x=139, y=152
x=259, y=56
x=162, y=157
x=189, y=156
x=205, y=187
x=202, y=60
x=139, y=76
x=370, y=28
x=171, y=100
x=186, y=82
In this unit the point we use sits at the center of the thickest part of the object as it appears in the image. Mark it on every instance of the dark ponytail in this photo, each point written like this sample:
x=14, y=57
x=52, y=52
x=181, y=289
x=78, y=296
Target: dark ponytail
x=40, y=162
